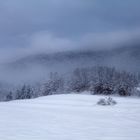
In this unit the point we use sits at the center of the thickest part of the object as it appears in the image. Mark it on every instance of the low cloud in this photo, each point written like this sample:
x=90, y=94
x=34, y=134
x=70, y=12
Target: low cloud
x=46, y=42
x=63, y=19
x=110, y=40
x=49, y=43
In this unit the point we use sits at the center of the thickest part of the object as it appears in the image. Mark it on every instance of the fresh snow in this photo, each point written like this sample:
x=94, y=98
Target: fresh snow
x=70, y=117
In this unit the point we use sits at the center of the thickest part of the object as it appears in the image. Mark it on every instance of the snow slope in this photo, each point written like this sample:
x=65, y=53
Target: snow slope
x=70, y=117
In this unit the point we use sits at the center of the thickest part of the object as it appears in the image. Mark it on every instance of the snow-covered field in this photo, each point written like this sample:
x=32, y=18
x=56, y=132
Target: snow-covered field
x=70, y=117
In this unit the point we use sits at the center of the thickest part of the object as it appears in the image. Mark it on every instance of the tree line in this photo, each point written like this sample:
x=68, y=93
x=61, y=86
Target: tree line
x=95, y=80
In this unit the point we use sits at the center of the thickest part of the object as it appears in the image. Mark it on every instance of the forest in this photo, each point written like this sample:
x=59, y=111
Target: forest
x=97, y=80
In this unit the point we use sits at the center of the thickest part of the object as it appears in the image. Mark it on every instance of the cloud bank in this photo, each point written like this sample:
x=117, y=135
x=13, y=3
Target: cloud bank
x=29, y=26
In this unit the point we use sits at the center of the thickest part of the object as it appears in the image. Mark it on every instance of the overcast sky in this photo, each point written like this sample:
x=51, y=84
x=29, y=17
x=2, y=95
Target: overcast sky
x=66, y=24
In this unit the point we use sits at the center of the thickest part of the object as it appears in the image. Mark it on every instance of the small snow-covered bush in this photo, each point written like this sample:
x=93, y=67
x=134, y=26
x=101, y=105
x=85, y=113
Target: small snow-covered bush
x=106, y=101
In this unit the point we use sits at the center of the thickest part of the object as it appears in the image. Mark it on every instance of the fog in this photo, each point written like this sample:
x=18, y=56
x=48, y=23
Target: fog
x=29, y=28
x=46, y=42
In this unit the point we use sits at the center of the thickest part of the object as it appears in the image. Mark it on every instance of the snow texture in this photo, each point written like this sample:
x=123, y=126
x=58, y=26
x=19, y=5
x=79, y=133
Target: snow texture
x=70, y=117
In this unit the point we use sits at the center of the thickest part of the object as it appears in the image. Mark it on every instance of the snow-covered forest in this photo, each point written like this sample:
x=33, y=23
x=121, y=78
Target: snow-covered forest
x=96, y=80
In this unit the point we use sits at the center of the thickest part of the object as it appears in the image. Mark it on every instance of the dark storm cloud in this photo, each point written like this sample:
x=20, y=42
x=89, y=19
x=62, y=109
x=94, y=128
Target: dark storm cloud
x=64, y=24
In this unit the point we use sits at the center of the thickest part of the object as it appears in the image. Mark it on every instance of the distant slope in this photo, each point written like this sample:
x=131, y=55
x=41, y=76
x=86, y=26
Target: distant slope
x=127, y=58
x=36, y=67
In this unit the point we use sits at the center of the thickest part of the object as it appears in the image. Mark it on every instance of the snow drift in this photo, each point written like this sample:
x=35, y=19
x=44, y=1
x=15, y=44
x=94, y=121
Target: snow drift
x=70, y=117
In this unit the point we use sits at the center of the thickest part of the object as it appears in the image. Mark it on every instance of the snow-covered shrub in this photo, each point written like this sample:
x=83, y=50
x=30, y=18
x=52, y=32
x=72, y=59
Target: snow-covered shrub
x=106, y=101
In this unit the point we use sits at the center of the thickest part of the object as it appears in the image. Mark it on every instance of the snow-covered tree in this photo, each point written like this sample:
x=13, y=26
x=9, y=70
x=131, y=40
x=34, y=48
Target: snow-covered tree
x=54, y=85
x=25, y=92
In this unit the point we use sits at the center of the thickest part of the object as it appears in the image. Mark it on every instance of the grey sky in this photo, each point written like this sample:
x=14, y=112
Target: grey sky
x=60, y=24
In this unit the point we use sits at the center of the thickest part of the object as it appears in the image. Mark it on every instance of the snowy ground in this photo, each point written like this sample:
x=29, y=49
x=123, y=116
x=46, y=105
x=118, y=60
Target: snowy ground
x=70, y=117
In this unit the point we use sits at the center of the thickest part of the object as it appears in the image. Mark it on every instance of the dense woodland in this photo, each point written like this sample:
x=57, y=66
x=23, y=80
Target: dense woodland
x=96, y=80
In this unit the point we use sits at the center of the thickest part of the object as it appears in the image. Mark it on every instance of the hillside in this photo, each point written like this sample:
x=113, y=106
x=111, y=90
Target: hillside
x=70, y=117
x=126, y=58
x=37, y=67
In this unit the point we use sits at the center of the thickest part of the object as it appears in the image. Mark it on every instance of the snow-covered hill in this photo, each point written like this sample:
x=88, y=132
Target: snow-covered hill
x=70, y=117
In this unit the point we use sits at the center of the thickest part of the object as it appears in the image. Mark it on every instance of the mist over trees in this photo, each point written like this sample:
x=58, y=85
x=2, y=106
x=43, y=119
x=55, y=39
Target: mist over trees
x=96, y=80
x=103, y=80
